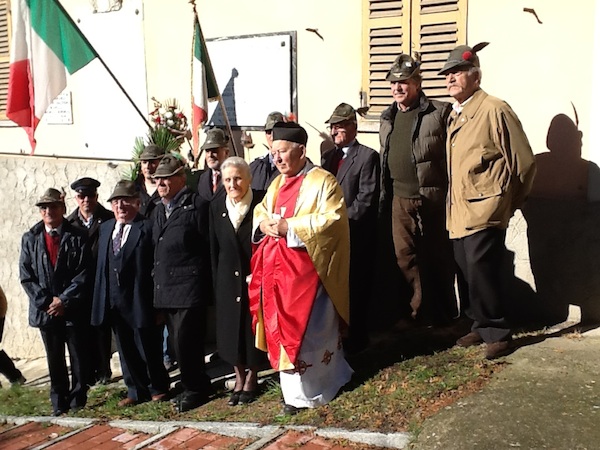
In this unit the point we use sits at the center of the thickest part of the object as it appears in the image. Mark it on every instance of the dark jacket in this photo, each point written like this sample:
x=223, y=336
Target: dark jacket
x=101, y=215
x=68, y=280
x=205, y=183
x=262, y=174
x=359, y=178
x=182, y=276
x=135, y=275
x=148, y=202
x=230, y=254
x=429, y=150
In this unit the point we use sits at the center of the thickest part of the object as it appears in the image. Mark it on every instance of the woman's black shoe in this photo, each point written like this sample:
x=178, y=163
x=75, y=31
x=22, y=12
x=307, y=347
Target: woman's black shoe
x=248, y=396
x=235, y=398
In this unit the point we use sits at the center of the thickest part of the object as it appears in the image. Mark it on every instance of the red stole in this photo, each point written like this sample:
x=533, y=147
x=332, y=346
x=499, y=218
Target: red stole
x=285, y=281
x=52, y=245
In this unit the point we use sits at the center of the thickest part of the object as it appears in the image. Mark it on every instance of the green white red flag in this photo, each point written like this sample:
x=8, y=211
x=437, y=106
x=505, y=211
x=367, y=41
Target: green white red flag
x=46, y=44
x=204, y=84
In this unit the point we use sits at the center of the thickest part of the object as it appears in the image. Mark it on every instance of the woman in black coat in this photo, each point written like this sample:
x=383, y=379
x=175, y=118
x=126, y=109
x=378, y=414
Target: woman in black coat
x=230, y=232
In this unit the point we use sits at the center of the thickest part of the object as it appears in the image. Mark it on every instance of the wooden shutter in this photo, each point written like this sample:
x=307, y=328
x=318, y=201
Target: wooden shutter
x=4, y=54
x=385, y=36
x=438, y=27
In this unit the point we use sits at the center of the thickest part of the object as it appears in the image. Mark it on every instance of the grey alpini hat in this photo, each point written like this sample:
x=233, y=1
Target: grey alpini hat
x=404, y=68
x=51, y=196
x=462, y=57
x=215, y=138
x=168, y=166
x=124, y=188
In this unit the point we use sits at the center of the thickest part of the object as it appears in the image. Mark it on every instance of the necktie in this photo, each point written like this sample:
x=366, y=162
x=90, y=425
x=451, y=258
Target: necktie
x=53, y=245
x=216, y=180
x=337, y=160
x=341, y=158
x=117, y=239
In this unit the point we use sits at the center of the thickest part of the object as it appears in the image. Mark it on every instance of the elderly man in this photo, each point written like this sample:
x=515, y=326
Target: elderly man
x=491, y=168
x=216, y=148
x=413, y=190
x=53, y=270
x=88, y=216
x=182, y=278
x=149, y=159
x=123, y=296
x=263, y=169
x=356, y=168
x=299, y=286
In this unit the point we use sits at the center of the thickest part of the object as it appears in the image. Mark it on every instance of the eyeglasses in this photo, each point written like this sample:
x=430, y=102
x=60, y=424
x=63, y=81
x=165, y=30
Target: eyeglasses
x=269, y=132
x=340, y=125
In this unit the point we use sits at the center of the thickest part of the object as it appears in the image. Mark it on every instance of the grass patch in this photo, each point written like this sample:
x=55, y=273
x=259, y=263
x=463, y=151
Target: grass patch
x=399, y=382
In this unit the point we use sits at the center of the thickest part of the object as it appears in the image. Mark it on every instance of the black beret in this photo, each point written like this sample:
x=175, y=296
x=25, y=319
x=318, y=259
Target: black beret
x=289, y=131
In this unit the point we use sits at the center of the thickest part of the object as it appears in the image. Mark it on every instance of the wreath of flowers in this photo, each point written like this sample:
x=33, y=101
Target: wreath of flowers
x=168, y=115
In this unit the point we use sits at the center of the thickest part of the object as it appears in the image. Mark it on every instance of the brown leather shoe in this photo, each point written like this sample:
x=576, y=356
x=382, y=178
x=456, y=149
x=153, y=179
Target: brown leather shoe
x=469, y=340
x=495, y=350
x=160, y=397
x=127, y=402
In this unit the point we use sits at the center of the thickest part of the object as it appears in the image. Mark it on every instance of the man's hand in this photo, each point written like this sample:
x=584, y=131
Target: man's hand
x=56, y=308
x=274, y=227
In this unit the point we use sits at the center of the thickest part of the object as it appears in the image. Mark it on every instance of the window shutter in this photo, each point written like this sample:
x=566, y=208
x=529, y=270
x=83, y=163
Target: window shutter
x=438, y=27
x=4, y=54
x=384, y=37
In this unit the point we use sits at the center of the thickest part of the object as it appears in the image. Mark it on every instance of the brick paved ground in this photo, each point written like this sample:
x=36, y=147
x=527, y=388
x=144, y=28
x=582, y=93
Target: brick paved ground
x=45, y=435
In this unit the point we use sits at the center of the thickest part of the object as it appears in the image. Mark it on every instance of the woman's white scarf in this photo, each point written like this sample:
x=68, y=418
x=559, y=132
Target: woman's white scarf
x=237, y=211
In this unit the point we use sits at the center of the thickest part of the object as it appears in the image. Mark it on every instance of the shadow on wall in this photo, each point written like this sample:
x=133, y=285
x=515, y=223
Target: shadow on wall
x=563, y=217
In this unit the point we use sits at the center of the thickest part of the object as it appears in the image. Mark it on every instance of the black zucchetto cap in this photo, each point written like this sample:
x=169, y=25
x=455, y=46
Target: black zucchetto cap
x=289, y=131
x=85, y=185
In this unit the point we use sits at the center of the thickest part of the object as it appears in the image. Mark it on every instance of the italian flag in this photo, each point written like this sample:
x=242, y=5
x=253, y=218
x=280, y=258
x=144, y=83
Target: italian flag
x=46, y=44
x=204, y=84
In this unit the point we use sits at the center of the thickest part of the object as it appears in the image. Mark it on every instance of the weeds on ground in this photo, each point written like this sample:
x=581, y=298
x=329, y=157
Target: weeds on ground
x=395, y=398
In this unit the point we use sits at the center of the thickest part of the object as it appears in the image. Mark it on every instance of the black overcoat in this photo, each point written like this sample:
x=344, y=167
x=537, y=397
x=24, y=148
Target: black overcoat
x=205, y=191
x=182, y=276
x=230, y=255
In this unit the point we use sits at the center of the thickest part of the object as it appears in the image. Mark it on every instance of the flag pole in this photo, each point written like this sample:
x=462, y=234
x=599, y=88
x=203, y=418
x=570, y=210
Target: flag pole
x=61, y=7
x=220, y=97
x=228, y=124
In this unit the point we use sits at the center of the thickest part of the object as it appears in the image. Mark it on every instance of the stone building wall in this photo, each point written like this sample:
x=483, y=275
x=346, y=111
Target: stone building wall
x=23, y=179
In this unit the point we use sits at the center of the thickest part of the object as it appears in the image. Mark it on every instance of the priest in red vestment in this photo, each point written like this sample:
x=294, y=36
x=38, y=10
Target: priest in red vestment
x=300, y=268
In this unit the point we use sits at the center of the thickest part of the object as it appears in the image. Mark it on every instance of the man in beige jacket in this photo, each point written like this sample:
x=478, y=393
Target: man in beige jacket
x=491, y=169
